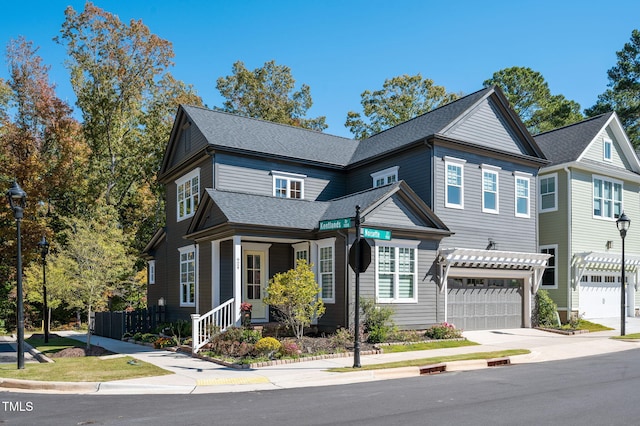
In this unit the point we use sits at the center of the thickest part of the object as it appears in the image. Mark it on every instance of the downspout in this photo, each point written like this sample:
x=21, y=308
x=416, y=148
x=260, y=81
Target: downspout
x=569, y=249
x=346, y=278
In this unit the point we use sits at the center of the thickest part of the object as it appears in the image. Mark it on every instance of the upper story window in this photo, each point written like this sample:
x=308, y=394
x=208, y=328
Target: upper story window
x=607, y=148
x=454, y=182
x=522, y=202
x=151, y=270
x=550, y=275
x=396, y=273
x=384, y=177
x=188, y=194
x=326, y=270
x=187, y=276
x=288, y=185
x=548, y=193
x=607, y=198
x=490, y=189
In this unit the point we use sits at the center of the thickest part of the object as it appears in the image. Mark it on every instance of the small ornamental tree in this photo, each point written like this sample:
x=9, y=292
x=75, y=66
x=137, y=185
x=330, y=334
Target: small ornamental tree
x=296, y=297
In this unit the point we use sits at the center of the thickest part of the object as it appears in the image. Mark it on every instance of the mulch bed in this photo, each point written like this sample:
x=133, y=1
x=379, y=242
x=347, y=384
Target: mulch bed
x=77, y=351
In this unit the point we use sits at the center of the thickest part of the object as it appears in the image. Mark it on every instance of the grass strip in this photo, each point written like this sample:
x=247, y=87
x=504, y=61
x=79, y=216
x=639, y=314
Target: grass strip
x=434, y=360
x=83, y=369
x=56, y=344
x=424, y=346
x=627, y=337
x=591, y=326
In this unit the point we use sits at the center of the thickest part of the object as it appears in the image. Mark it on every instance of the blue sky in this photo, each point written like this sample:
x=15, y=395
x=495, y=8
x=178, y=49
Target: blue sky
x=341, y=48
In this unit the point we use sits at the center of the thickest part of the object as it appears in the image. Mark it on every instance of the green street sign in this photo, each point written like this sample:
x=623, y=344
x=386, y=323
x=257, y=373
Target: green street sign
x=330, y=225
x=376, y=234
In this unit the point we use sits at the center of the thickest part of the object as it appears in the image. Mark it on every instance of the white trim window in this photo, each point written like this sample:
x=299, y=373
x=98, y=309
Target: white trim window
x=490, y=195
x=548, y=200
x=188, y=194
x=607, y=148
x=454, y=182
x=550, y=275
x=385, y=177
x=151, y=271
x=326, y=270
x=396, y=272
x=522, y=198
x=301, y=251
x=187, y=276
x=607, y=198
x=288, y=185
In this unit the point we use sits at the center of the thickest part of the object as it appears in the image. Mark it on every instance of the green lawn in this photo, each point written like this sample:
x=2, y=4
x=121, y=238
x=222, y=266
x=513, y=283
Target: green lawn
x=423, y=346
x=631, y=336
x=434, y=360
x=591, y=326
x=80, y=369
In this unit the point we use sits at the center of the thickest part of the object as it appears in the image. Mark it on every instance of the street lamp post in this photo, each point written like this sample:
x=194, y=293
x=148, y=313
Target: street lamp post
x=623, y=224
x=17, y=201
x=44, y=250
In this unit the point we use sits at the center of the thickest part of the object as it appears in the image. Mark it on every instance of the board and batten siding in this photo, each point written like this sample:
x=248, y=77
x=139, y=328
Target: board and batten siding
x=486, y=126
x=254, y=175
x=553, y=230
x=472, y=227
x=414, y=167
x=595, y=151
x=188, y=141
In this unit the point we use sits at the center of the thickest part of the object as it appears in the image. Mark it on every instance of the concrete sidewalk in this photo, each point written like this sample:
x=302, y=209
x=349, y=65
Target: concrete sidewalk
x=193, y=375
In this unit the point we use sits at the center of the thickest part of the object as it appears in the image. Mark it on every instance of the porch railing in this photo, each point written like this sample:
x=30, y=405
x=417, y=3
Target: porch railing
x=204, y=327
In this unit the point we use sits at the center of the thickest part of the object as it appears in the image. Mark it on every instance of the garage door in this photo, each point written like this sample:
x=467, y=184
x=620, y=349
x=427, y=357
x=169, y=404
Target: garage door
x=599, y=296
x=484, y=303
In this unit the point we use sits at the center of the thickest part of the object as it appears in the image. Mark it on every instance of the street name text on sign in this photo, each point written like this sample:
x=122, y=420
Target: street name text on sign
x=329, y=225
x=376, y=234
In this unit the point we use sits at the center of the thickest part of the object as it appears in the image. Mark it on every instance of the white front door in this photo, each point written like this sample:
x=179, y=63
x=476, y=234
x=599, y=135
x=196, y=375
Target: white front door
x=255, y=283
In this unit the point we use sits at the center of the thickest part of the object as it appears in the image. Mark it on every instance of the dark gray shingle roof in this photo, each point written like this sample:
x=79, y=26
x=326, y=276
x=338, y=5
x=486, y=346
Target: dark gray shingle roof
x=567, y=143
x=420, y=127
x=263, y=137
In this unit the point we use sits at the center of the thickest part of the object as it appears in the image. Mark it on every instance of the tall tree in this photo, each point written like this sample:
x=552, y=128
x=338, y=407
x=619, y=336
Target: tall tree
x=124, y=90
x=41, y=146
x=400, y=99
x=95, y=260
x=623, y=95
x=530, y=97
x=268, y=93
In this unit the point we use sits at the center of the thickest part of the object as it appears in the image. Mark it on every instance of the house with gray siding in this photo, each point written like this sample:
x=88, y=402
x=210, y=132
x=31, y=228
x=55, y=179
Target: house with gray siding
x=245, y=199
x=593, y=177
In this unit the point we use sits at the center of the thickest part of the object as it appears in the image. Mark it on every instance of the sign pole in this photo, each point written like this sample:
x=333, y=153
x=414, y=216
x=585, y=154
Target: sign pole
x=356, y=344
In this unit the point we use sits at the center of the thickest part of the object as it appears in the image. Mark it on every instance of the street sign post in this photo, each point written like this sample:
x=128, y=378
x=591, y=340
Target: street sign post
x=375, y=234
x=330, y=225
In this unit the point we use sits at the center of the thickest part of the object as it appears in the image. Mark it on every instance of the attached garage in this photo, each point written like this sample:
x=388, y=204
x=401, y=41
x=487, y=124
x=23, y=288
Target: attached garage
x=599, y=275
x=489, y=289
x=485, y=303
x=599, y=295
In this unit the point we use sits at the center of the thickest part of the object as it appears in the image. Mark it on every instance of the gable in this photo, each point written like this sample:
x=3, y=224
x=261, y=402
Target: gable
x=596, y=148
x=396, y=213
x=486, y=125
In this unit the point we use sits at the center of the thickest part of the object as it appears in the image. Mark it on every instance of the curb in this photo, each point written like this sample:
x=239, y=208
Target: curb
x=58, y=386
x=37, y=354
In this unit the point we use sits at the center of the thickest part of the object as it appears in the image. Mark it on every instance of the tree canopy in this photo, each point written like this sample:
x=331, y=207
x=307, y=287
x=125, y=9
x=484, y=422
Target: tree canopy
x=127, y=97
x=623, y=95
x=400, y=99
x=268, y=93
x=530, y=97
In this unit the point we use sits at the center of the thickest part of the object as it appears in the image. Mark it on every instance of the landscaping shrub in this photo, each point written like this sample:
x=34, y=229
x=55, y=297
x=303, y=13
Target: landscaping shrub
x=234, y=342
x=545, y=312
x=267, y=346
x=342, y=338
x=251, y=336
x=443, y=331
x=163, y=342
x=377, y=321
x=290, y=349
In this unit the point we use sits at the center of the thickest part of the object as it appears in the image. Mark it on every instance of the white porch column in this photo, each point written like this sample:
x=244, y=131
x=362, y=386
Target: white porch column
x=631, y=294
x=237, y=276
x=526, y=295
x=215, y=274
